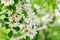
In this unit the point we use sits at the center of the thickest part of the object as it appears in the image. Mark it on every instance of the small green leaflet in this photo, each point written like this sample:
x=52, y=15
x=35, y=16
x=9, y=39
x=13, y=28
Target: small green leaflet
x=16, y=28
x=10, y=34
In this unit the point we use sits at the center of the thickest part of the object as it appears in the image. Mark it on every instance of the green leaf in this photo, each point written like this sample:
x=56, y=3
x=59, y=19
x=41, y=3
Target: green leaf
x=53, y=20
x=6, y=19
x=1, y=5
x=16, y=1
x=3, y=34
x=40, y=15
x=6, y=15
x=2, y=16
x=12, y=7
x=10, y=34
x=37, y=37
x=24, y=12
x=27, y=38
x=7, y=26
x=16, y=28
x=21, y=20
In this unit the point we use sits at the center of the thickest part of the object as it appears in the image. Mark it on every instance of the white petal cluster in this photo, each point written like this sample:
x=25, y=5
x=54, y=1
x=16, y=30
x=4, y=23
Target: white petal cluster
x=57, y=14
x=27, y=0
x=29, y=26
x=47, y=18
x=18, y=8
x=58, y=6
x=7, y=2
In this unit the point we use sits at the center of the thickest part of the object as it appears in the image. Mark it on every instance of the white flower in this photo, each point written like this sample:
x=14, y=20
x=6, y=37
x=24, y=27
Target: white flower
x=3, y=1
x=41, y=28
x=36, y=21
x=29, y=27
x=57, y=0
x=44, y=26
x=31, y=33
x=27, y=0
x=7, y=2
x=58, y=21
x=27, y=7
x=21, y=26
x=45, y=19
x=16, y=24
x=32, y=15
x=42, y=11
x=9, y=13
x=28, y=20
x=58, y=6
x=10, y=24
x=36, y=6
x=57, y=13
x=10, y=19
x=16, y=17
x=18, y=8
x=14, y=31
x=38, y=11
x=13, y=24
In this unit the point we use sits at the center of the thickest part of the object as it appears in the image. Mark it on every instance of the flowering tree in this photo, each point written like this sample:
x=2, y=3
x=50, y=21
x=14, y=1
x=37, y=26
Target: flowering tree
x=29, y=19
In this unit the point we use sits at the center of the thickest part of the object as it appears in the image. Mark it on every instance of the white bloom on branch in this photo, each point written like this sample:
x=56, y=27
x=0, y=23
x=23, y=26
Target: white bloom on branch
x=58, y=21
x=21, y=26
x=27, y=0
x=47, y=18
x=18, y=8
x=10, y=19
x=7, y=2
x=28, y=20
x=36, y=6
x=27, y=7
x=31, y=33
x=28, y=25
x=9, y=13
x=58, y=6
x=57, y=13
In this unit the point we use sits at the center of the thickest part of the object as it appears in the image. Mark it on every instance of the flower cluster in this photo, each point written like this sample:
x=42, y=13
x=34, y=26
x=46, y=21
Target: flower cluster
x=7, y=2
x=20, y=16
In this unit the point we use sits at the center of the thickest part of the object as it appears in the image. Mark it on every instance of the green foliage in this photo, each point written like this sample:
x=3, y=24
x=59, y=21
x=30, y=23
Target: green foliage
x=24, y=12
x=16, y=1
x=27, y=38
x=1, y=7
x=10, y=34
x=47, y=5
x=37, y=37
x=6, y=19
x=11, y=7
x=3, y=34
x=16, y=28
x=6, y=15
x=7, y=26
x=21, y=20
